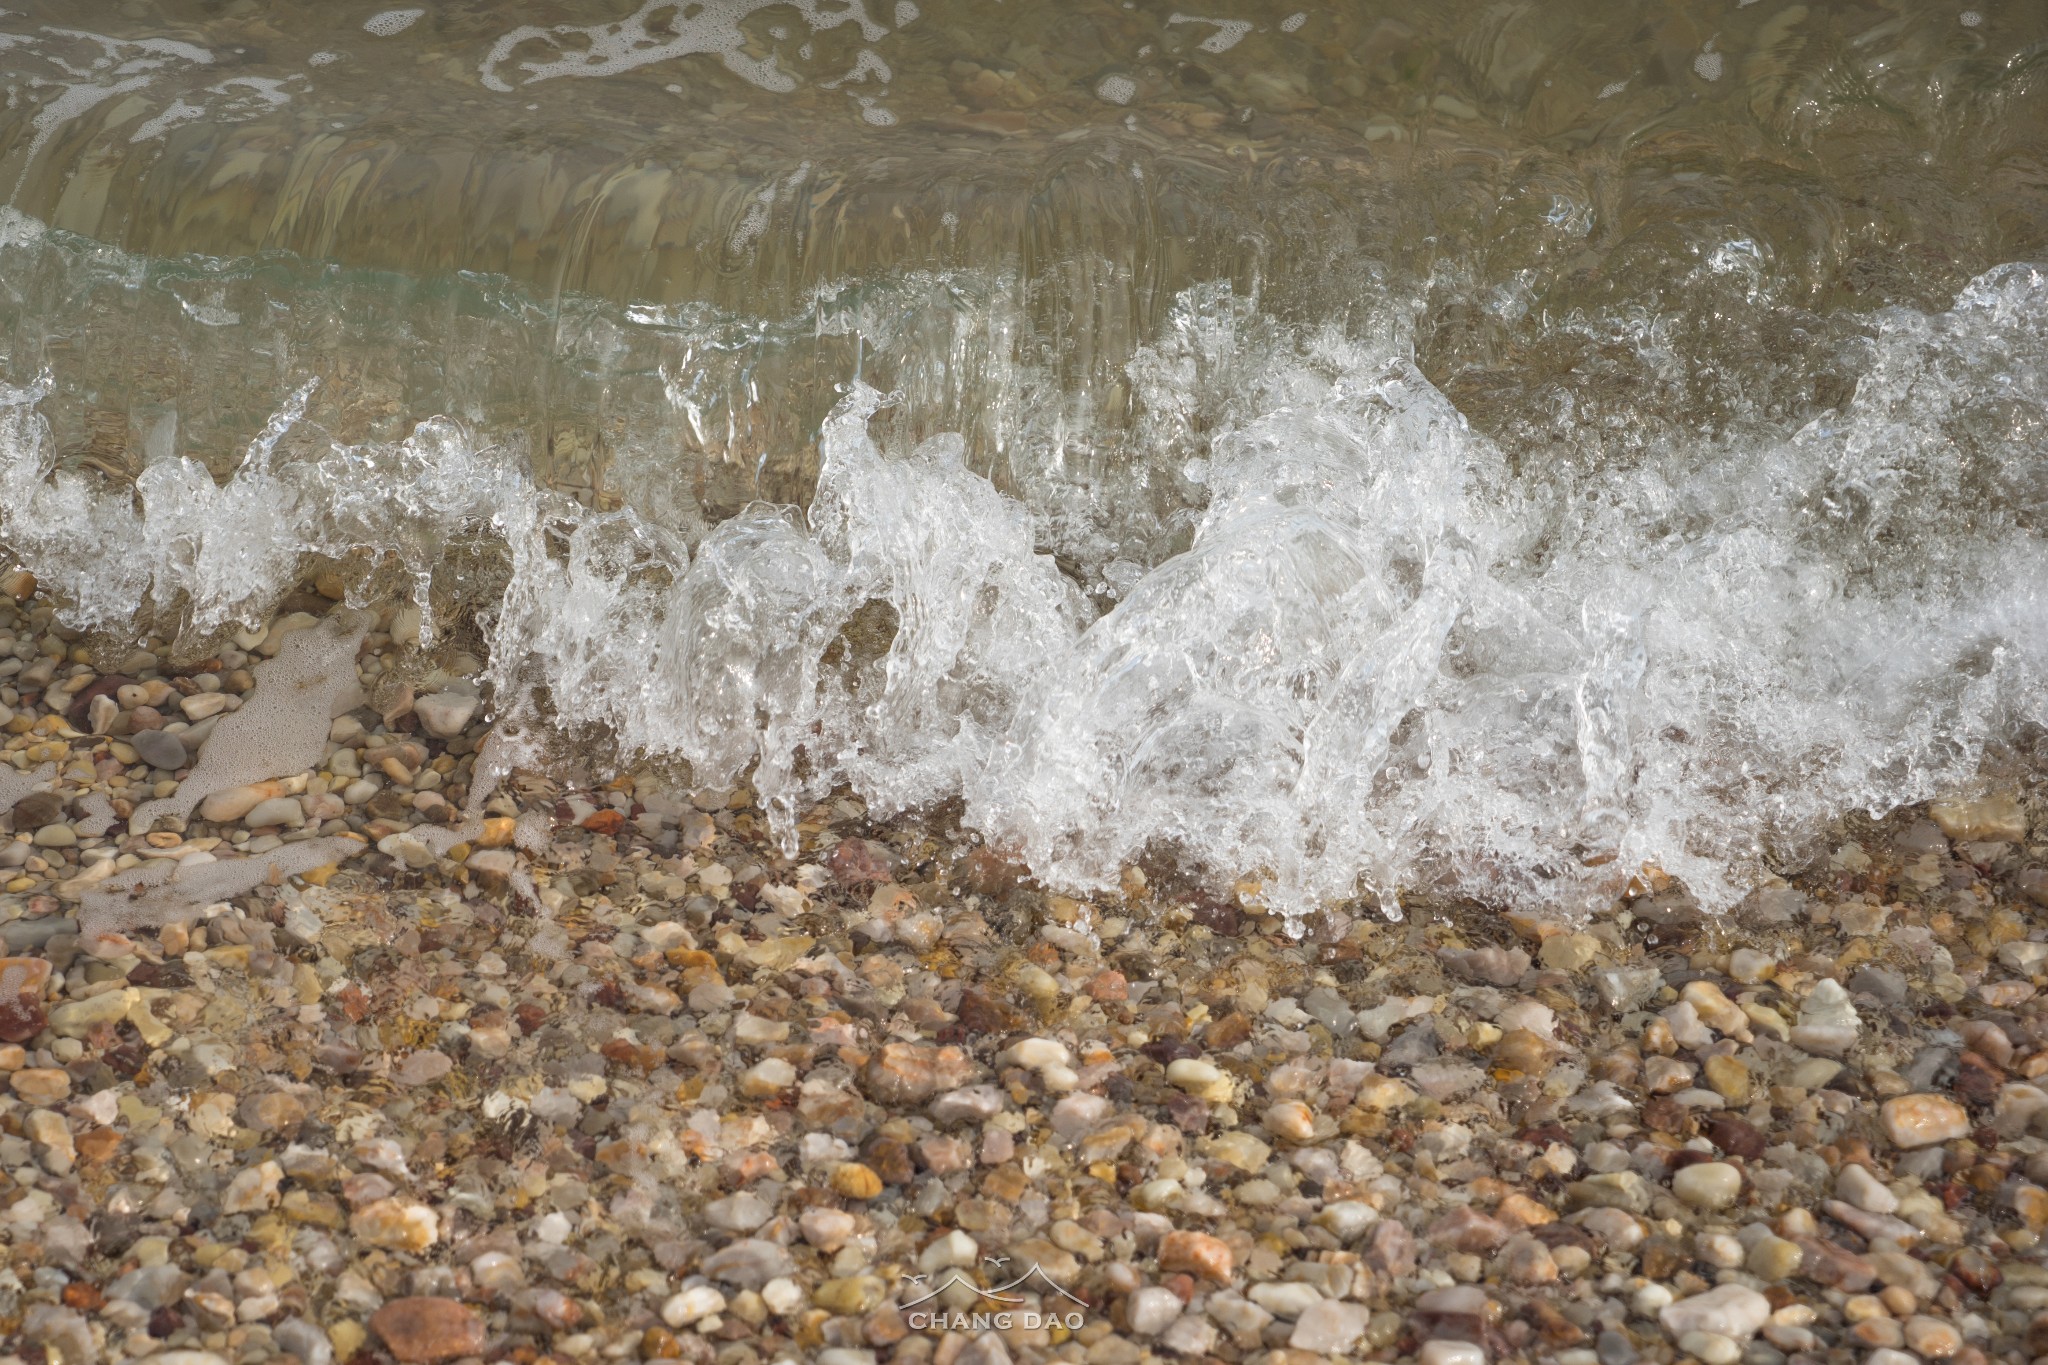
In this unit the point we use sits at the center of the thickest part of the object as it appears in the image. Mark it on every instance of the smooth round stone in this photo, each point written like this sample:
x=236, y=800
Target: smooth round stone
x=1931, y=1338
x=1710, y=1348
x=1441, y=1352
x=1151, y=1309
x=1729, y=1310
x=278, y=810
x=200, y=705
x=1923, y=1120
x=1708, y=1185
x=159, y=749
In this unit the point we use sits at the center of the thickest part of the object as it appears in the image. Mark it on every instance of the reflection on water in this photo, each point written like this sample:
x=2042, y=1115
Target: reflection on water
x=1160, y=272
x=1517, y=168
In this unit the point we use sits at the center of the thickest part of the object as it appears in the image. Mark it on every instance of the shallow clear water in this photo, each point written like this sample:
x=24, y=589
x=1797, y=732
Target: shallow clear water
x=1481, y=447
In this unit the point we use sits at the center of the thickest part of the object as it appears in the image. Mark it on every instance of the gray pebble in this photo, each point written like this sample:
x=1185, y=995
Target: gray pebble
x=159, y=749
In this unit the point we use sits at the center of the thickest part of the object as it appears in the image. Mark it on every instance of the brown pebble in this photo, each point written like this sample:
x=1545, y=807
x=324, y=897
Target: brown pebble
x=429, y=1329
x=909, y=1073
x=1197, y=1253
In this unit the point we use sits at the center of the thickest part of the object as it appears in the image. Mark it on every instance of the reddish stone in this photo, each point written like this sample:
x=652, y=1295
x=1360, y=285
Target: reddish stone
x=987, y=873
x=981, y=1013
x=909, y=1073
x=1108, y=985
x=424, y=1330
x=604, y=821
x=1736, y=1137
x=1197, y=1253
x=1467, y=1230
x=860, y=862
x=1835, y=1267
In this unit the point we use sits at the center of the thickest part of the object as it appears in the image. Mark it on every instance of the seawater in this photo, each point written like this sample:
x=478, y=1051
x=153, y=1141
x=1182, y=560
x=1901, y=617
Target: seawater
x=1481, y=449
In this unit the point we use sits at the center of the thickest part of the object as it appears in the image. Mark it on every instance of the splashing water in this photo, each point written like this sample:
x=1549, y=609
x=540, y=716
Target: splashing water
x=1383, y=659
x=1469, y=448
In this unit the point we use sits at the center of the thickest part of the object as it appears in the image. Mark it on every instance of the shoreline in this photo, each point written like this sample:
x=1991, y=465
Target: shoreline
x=704, y=1103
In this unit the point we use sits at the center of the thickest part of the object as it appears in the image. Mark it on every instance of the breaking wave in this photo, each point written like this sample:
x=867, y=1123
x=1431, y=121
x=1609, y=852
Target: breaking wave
x=1341, y=644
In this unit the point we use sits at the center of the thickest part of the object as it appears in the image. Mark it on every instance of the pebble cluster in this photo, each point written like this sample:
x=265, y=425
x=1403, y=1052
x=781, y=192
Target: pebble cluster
x=888, y=1101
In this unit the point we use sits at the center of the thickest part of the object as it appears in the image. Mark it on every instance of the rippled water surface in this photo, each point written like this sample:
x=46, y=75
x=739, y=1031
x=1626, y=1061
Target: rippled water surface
x=1481, y=447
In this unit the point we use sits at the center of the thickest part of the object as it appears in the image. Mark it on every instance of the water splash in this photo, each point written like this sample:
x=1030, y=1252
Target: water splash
x=1382, y=656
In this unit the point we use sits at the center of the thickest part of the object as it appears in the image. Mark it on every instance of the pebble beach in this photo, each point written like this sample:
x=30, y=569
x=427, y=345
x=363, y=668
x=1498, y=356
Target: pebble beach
x=650, y=1089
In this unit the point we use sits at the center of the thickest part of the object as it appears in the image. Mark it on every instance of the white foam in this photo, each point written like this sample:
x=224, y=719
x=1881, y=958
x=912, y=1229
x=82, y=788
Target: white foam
x=701, y=27
x=119, y=66
x=1293, y=22
x=1383, y=660
x=1229, y=32
x=1117, y=89
x=392, y=22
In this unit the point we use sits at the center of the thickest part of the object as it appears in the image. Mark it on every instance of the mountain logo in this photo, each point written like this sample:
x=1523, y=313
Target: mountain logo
x=999, y=1307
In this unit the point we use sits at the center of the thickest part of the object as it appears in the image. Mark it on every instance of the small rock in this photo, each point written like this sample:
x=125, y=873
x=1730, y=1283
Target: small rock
x=1204, y=1080
x=232, y=803
x=1730, y=1310
x=692, y=1305
x=908, y=1073
x=159, y=749
x=1828, y=1023
x=423, y=1068
x=856, y=1181
x=1729, y=1077
x=742, y=1212
x=1710, y=1348
x=1923, y=1120
x=1993, y=818
x=1330, y=1327
x=827, y=1229
x=398, y=1224
x=749, y=1263
x=1932, y=1339
x=1709, y=1185
x=425, y=1330
x=200, y=705
x=41, y=1084
x=1858, y=1186
x=1772, y=1259
x=444, y=714
x=1151, y=1310
x=253, y=1190
x=1445, y=1351
x=278, y=810
x=1197, y=1253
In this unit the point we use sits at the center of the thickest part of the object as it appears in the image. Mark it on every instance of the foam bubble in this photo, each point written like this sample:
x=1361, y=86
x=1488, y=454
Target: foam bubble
x=1229, y=32
x=1707, y=66
x=702, y=27
x=1293, y=22
x=906, y=13
x=392, y=22
x=323, y=59
x=1117, y=89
